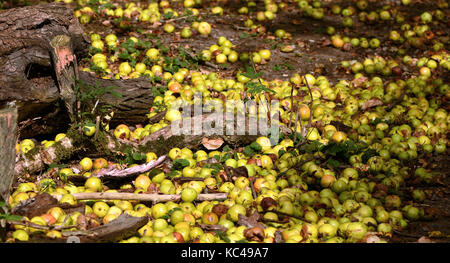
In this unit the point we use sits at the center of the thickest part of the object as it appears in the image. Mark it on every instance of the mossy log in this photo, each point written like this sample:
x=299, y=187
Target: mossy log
x=159, y=142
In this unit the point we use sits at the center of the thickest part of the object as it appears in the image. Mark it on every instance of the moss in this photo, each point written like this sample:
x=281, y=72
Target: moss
x=63, y=153
x=32, y=153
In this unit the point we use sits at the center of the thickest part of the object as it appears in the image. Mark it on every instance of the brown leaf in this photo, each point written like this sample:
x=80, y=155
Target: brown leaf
x=254, y=234
x=359, y=81
x=208, y=227
x=278, y=237
x=35, y=206
x=212, y=144
x=82, y=222
x=370, y=237
x=424, y=239
x=267, y=203
x=220, y=209
x=373, y=102
x=152, y=189
x=250, y=221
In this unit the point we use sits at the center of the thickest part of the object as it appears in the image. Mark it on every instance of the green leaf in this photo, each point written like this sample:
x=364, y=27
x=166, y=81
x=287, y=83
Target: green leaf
x=248, y=151
x=225, y=157
x=368, y=154
x=13, y=217
x=179, y=164
x=226, y=148
x=222, y=235
x=173, y=210
x=116, y=94
x=277, y=67
x=255, y=146
x=2, y=203
x=333, y=163
x=138, y=157
x=244, y=35
x=168, y=15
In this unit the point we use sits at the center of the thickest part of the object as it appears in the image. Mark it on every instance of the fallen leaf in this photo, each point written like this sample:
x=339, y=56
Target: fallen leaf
x=278, y=237
x=267, y=203
x=212, y=144
x=254, y=234
x=220, y=209
x=371, y=237
x=250, y=221
x=424, y=239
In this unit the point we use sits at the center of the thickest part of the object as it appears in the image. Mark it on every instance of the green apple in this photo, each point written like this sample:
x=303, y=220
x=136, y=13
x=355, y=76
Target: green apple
x=100, y=209
x=86, y=163
x=94, y=184
x=26, y=145
x=204, y=28
x=188, y=195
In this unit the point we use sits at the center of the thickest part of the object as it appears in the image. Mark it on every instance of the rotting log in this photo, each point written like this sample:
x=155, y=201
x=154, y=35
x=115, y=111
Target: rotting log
x=159, y=142
x=25, y=62
x=39, y=49
x=120, y=228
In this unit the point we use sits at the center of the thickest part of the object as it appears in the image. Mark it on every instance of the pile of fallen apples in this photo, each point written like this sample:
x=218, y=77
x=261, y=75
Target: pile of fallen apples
x=380, y=125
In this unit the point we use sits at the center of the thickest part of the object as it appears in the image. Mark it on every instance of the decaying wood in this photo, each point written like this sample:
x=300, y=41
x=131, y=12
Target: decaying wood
x=44, y=157
x=159, y=142
x=25, y=36
x=120, y=228
x=113, y=173
x=8, y=138
x=66, y=66
x=41, y=203
x=156, y=198
x=47, y=39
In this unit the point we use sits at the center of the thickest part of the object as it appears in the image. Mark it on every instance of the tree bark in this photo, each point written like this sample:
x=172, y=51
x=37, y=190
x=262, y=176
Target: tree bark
x=8, y=139
x=25, y=62
x=38, y=78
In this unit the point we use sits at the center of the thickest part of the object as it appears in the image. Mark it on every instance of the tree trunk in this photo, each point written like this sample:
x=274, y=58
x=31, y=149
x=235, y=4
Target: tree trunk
x=35, y=76
x=8, y=138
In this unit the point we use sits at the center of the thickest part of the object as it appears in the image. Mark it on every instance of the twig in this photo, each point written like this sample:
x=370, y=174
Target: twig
x=97, y=126
x=252, y=187
x=207, y=63
x=212, y=227
x=405, y=234
x=115, y=173
x=310, y=114
x=33, y=225
x=179, y=18
x=292, y=107
x=142, y=197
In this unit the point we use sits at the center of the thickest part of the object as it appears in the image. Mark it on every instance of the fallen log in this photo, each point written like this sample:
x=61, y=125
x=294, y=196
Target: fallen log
x=41, y=203
x=120, y=228
x=113, y=173
x=159, y=142
x=25, y=62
